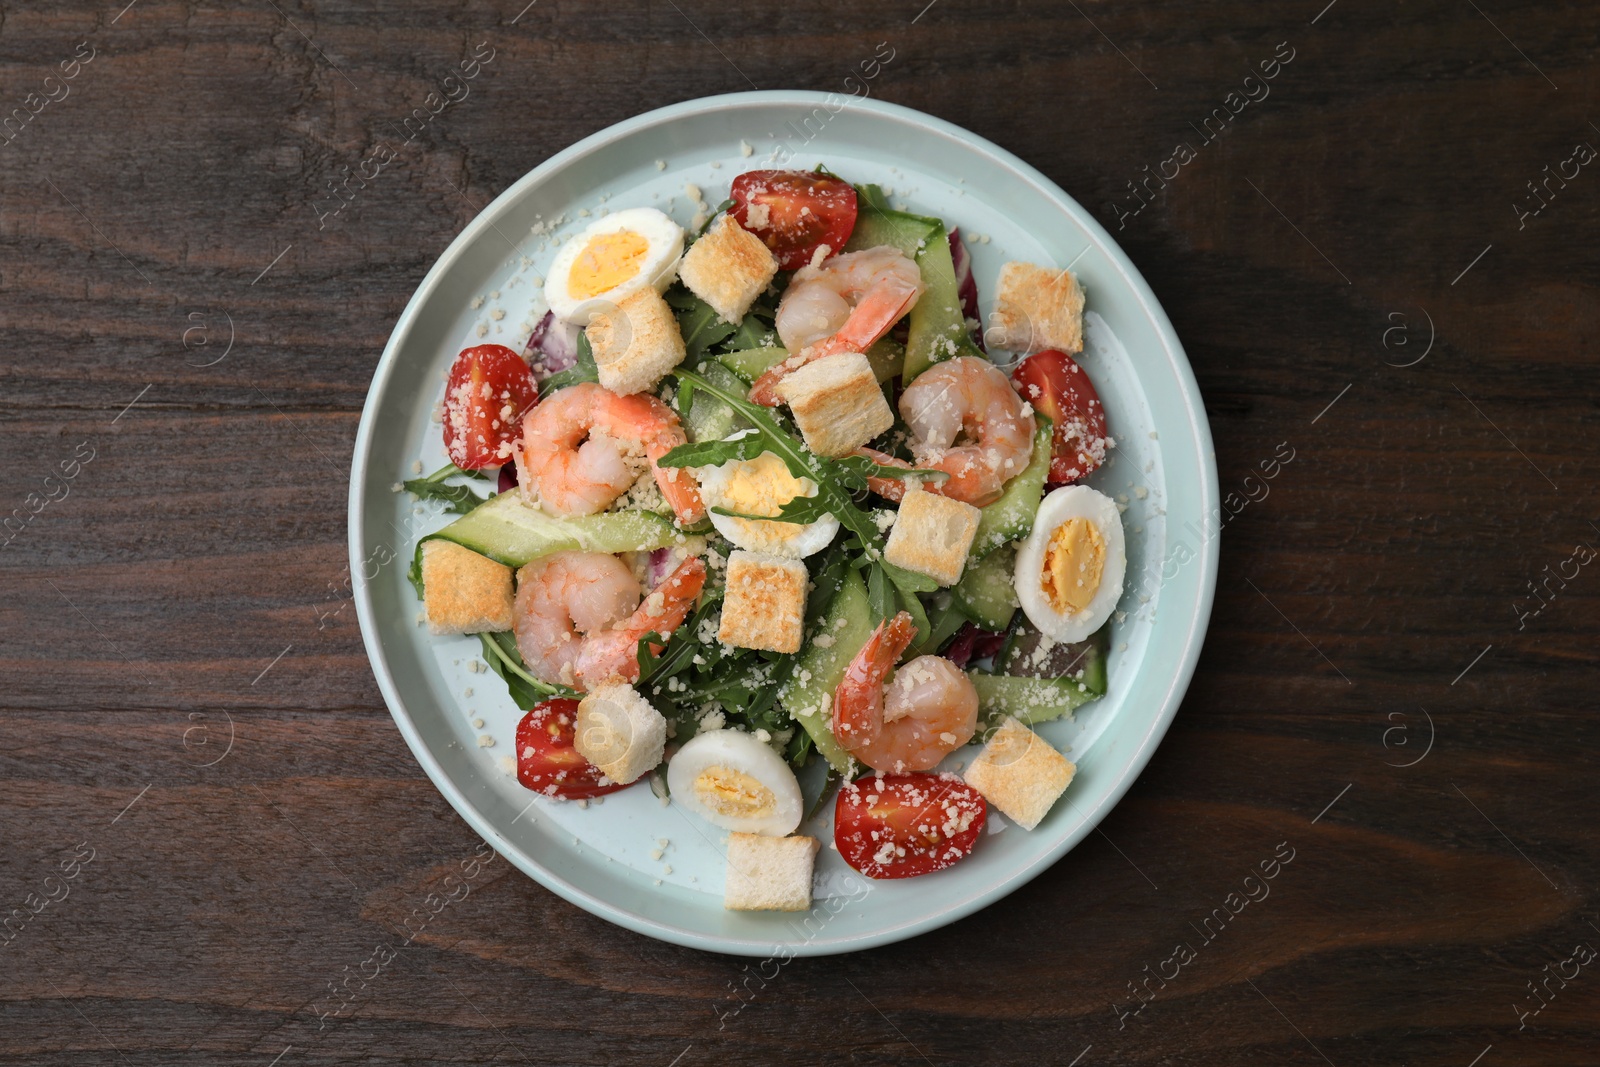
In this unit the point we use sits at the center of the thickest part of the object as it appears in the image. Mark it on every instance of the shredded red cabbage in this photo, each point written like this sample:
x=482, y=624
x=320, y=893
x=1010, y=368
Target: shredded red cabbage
x=552, y=347
x=966, y=283
x=971, y=643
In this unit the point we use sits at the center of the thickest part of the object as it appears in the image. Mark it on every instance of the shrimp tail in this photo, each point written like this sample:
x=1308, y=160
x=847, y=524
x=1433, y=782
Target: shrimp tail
x=614, y=654
x=888, y=488
x=764, y=391
x=858, y=699
x=677, y=485
x=885, y=303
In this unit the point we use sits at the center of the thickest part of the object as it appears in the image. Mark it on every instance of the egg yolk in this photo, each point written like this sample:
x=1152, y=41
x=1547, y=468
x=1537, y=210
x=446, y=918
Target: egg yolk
x=762, y=486
x=608, y=260
x=1073, y=562
x=732, y=793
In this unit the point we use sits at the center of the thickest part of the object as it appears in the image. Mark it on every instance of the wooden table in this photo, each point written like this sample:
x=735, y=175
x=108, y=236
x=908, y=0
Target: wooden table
x=212, y=824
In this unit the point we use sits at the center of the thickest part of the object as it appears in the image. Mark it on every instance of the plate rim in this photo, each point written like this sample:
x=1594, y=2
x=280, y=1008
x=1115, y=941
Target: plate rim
x=1128, y=770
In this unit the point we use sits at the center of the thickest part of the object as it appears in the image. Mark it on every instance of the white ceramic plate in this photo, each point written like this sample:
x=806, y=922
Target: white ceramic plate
x=603, y=857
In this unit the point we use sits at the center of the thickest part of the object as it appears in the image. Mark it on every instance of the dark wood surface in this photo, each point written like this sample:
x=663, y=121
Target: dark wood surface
x=193, y=573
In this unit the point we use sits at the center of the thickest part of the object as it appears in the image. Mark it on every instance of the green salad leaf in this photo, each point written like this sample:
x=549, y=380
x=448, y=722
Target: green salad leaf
x=583, y=370
x=833, y=494
x=699, y=323
x=500, y=652
x=755, y=331
x=457, y=498
x=745, y=445
x=800, y=510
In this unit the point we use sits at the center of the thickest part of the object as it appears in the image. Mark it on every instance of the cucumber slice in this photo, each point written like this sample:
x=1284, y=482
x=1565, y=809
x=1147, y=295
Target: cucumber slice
x=752, y=363
x=886, y=356
x=808, y=694
x=1028, y=700
x=711, y=419
x=1011, y=517
x=987, y=592
x=888, y=359
x=879, y=224
x=506, y=529
x=938, y=325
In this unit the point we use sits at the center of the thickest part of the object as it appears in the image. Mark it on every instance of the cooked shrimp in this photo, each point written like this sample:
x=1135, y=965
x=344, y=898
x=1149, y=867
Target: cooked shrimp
x=561, y=600
x=967, y=421
x=579, y=619
x=580, y=451
x=614, y=653
x=844, y=305
x=927, y=710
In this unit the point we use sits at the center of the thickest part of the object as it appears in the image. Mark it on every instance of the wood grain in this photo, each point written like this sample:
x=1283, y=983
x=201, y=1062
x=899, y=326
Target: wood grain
x=166, y=204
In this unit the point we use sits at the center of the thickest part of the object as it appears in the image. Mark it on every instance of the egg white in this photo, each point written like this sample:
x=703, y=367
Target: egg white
x=793, y=540
x=660, y=265
x=1066, y=503
x=737, y=751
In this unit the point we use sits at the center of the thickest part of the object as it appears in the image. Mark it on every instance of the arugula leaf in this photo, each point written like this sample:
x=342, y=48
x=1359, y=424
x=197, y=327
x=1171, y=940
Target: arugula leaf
x=907, y=594
x=802, y=463
x=720, y=208
x=678, y=650
x=855, y=470
x=881, y=598
x=699, y=323
x=457, y=498
x=500, y=652
x=744, y=445
x=798, y=510
x=583, y=370
x=876, y=201
x=827, y=578
x=755, y=331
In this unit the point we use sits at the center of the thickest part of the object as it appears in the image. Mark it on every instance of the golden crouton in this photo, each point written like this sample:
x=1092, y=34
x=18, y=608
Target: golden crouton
x=1020, y=773
x=636, y=343
x=620, y=732
x=769, y=873
x=463, y=592
x=1036, y=308
x=932, y=535
x=765, y=603
x=728, y=268
x=836, y=403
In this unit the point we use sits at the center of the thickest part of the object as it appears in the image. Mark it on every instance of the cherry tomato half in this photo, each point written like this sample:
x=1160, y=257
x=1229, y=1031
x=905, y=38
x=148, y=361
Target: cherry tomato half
x=795, y=211
x=903, y=825
x=1054, y=383
x=490, y=388
x=547, y=762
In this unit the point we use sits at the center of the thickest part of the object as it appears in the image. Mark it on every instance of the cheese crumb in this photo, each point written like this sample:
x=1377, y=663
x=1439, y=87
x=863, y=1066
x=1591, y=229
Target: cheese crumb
x=485, y=741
